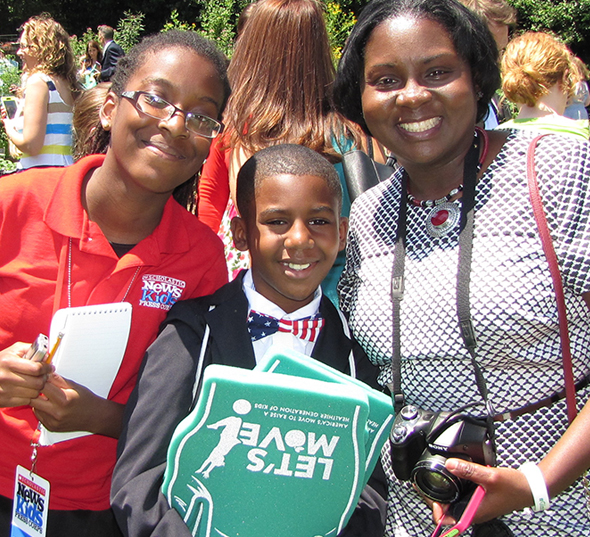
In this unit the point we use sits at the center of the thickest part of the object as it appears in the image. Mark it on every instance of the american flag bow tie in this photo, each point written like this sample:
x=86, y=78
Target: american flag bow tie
x=260, y=325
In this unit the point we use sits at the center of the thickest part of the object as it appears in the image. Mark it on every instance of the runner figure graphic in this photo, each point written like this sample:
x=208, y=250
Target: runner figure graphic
x=228, y=438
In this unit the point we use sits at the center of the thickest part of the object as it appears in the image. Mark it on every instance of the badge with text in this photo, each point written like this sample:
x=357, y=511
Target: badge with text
x=31, y=504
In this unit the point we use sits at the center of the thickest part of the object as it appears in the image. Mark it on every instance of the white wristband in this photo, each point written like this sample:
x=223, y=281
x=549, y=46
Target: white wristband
x=537, y=484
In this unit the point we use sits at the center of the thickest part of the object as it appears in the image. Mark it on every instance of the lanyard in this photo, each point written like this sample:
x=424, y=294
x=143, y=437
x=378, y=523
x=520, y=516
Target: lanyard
x=463, y=280
x=64, y=276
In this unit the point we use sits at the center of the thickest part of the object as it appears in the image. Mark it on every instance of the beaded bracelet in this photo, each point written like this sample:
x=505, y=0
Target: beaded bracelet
x=536, y=481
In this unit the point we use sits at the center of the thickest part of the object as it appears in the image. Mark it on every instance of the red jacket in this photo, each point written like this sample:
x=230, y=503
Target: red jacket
x=213, y=191
x=40, y=215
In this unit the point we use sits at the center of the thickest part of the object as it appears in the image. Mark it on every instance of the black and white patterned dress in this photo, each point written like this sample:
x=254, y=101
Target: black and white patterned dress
x=513, y=309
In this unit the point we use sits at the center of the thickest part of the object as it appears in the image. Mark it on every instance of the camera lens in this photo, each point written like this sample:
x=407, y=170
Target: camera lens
x=435, y=484
x=435, y=481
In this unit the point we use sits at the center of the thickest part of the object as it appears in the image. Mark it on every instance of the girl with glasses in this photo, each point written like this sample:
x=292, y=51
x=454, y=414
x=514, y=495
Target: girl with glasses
x=104, y=230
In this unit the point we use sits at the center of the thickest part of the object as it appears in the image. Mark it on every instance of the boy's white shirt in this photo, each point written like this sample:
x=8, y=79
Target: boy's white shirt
x=264, y=306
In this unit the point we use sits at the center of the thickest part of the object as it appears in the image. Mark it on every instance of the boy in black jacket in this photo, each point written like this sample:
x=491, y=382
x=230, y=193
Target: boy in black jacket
x=289, y=198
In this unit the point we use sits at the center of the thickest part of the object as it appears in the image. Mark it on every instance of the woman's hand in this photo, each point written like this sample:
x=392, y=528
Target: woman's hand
x=66, y=406
x=20, y=380
x=506, y=489
x=6, y=120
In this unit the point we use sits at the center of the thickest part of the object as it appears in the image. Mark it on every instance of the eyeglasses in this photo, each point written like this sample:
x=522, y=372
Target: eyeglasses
x=156, y=107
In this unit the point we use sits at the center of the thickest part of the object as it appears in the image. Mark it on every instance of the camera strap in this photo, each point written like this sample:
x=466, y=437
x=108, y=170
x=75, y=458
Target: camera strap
x=463, y=281
x=463, y=286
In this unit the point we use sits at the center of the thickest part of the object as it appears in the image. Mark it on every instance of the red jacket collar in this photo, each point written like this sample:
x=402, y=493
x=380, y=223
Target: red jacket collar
x=65, y=215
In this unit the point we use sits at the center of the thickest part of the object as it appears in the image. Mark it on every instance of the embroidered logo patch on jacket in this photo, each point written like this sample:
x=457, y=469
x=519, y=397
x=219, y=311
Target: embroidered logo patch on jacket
x=160, y=291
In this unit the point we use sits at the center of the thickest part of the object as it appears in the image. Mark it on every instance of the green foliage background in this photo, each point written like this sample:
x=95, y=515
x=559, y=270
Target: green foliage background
x=570, y=19
x=217, y=18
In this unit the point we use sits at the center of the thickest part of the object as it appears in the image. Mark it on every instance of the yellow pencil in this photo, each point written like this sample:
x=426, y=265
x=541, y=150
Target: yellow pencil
x=55, y=347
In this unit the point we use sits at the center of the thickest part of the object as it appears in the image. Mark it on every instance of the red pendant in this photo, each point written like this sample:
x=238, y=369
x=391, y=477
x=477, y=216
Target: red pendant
x=439, y=218
x=442, y=219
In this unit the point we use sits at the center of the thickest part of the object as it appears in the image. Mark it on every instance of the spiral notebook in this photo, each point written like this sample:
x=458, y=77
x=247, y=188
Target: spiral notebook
x=90, y=352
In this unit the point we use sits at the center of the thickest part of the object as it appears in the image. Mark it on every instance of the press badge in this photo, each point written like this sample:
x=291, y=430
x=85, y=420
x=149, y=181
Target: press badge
x=30, y=506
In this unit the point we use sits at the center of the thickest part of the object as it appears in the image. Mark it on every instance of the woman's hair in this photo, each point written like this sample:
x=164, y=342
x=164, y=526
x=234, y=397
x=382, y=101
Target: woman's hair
x=583, y=71
x=496, y=11
x=89, y=137
x=532, y=64
x=471, y=38
x=281, y=74
x=140, y=53
x=97, y=46
x=49, y=43
x=244, y=17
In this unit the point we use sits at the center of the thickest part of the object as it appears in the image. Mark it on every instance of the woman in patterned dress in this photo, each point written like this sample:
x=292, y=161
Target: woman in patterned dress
x=418, y=75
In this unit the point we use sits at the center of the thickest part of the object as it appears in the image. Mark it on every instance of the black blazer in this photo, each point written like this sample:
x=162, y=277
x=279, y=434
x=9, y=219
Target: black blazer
x=192, y=337
x=109, y=61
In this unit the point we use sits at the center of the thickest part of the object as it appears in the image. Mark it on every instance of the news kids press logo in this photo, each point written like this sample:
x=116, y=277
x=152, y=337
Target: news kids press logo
x=160, y=292
x=313, y=454
x=30, y=508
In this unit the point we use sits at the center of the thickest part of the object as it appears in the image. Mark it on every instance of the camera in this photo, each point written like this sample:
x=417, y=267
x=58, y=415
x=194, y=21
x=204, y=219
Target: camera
x=421, y=442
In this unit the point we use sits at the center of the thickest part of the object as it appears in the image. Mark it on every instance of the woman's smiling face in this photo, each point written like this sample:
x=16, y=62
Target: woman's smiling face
x=418, y=96
x=159, y=155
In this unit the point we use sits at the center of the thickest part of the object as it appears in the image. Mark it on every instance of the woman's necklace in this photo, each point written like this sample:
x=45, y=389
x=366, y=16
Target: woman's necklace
x=444, y=215
x=433, y=203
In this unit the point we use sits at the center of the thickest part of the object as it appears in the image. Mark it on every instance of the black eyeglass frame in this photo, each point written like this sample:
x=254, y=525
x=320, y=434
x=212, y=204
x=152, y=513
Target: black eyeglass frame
x=135, y=95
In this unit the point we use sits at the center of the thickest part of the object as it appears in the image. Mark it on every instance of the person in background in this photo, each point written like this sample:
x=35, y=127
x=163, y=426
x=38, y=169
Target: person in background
x=90, y=71
x=500, y=18
x=281, y=74
x=580, y=100
x=539, y=75
x=289, y=200
x=418, y=75
x=111, y=52
x=104, y=230
x=89, y=137
x=42, y=128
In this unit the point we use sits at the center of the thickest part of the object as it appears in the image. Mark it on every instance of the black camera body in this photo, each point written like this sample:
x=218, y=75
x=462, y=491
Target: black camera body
x=421, y=442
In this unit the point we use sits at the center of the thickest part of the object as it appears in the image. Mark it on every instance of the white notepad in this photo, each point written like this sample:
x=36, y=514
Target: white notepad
x=90, y=353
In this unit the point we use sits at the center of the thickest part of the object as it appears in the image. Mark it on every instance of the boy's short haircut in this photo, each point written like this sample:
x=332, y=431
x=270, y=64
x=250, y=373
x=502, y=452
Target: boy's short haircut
x=283, y=159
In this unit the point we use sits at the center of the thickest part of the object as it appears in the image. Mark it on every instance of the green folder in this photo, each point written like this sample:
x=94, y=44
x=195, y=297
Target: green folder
x=381, y=414
x=266, y=455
